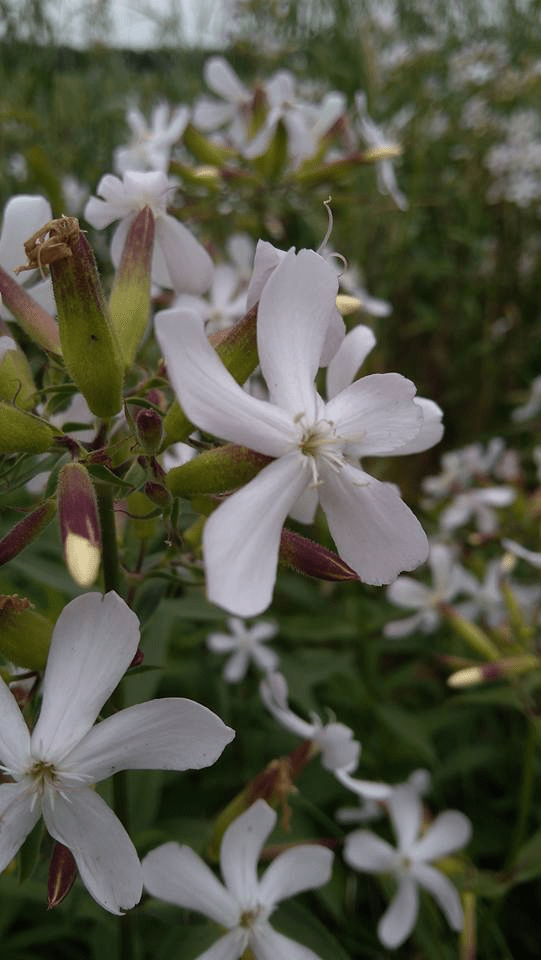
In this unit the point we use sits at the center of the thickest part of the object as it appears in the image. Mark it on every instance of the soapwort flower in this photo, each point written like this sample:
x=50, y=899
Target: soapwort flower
x=315, y=444
x=244, y=643
x=243, y=906
x=54, y=767
x=151, y=143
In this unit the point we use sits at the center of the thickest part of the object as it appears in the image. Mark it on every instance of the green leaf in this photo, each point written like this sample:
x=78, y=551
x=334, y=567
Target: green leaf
x=294, y=920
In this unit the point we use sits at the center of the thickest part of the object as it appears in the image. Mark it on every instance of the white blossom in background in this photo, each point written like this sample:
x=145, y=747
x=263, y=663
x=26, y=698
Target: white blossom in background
x=23, y=216
x=350, y=283
x=75, y=195
x=518, y=551
x=335, y=741
x=77, y=413
x=245, y=643
x=515, y=164
x=532, y=407
x=243, y=904
x=232, y=111
x=375, y=138
x=53, y=769
x=411, y=862
x=477, y=506
x=448, y=579
x=464, y=467
x=223, y=304
x=370, y=809
x=488, y=601
x=179, y=261
x=151, y=143
x=313, y=443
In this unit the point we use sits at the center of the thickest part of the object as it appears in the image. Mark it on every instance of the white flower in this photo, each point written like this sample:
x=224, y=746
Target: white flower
x=370, y=808
x=411, y=862
x=55, y=766
x=375, y=138
x=179, y=261
x=335, y=741
x=245, y=644
x=488, y=600
x=532, y=406
x=477, y=505
x=150, y=145
x=243, y=906
x=518, y=551
x=23, y=216
x=448, y=578
x=210, y=114
x=223, y=305
x=313, y=442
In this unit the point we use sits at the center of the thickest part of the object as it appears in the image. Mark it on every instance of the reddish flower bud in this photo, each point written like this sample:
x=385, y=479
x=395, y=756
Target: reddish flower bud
x=35, y=321
x=62, y=874
x=25, y=531
x=148, y=425
x=158, y=494
x=312, y=559
x=79, y=524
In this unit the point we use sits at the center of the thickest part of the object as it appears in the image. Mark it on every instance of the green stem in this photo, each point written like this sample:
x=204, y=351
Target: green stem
x=525, y=793
x=111, y=568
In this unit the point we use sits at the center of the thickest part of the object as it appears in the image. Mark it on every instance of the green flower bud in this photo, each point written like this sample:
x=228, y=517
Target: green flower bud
x=148, y=425
x=22, y=432
x=79, y=523
x=25, y=635
x=34, y=320
x=215, y=471
x=16, y=380
x=130, y=298
x=203, y=149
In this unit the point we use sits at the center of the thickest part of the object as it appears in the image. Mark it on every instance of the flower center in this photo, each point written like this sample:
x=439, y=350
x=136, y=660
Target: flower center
x=320, y=440
x=249, y=917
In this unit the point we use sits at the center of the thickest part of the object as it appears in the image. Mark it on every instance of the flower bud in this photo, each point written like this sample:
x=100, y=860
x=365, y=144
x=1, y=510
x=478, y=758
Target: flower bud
x=62, y=874
x=158, y=494
x=16, y=381
x=203, y=149
x=347, y=305
x=312, y=559
x=496, y=670
x=79, y=524
x=148, y=425
x=22, y=432
x=215, y=471
x=91, y=352
x=34, y=320
x=25, y=531
x=471, y=633
x=130, y=298
x=25, y=635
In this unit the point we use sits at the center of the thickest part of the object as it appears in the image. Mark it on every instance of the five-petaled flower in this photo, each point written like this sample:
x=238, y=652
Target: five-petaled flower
x=178, y=875
x=54, y=767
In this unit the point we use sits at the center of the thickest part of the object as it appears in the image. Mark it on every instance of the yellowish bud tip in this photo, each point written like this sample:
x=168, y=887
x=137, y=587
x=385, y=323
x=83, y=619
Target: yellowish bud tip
x=508, y=563
x=82, y=559
x=466, y=678
x=347, y=305
x=207, y=172
x=387, y=151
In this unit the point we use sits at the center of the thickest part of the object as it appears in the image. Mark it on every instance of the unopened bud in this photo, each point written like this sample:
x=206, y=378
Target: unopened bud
x=496, y=670
x=149, y=427
x=347, y=305
x=25, y=531
x=21, y=432
x=387, y=151
x=215, y=471
x=34, y=320
x=203, y=149
x=158, y=494
x=79, y=524
x=25, y=634
x=130, y=298
x=62, y=874
x=476, y=638
x=312, y=559
x=16, y=380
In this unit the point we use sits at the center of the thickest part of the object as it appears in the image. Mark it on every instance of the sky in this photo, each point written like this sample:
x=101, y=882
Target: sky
x=135, y=23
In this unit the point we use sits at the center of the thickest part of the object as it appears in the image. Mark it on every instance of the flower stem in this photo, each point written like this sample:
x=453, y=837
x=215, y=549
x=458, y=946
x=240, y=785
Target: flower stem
x=525, y=793
x=111, y=569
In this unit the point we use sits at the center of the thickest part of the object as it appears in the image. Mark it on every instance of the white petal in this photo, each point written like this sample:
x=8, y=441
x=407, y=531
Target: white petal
x=398, y=921
x=210, y=114
x=242, y=537
x=188, y=263
x=409, y=593
x=267, y=257
x=266, y=660
x=236, y=667
x=304, y=510
x=168, y=734
x=296, y=306
x=443, y=892
x=406, y=811
x=23, y=215
x=267, y=944
x=241, y=845
x=364, y=788
x=349, y=358
x=105, y=856
x=365, y=851
x=431, y=430
x=376, y=413
x=17, y=818
x=450, y=831
x=338, y=748
x=230, y=947
x=94, y=641
x=374, y=531
x=262, y=631
x=222, y=79
x=301, y=868
x=178, y=875
x=14, y=735
x=273, y=691
x=208, y=393
x=402, y=628
x=222, y=642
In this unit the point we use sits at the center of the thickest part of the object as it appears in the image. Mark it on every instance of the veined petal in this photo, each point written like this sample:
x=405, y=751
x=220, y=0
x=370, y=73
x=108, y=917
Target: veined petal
x=178, y=875
x=398, y=921
x=267, y=944
x=365, y=851
x=304, y=510
x=241, y=845
x=300, y=868
x=93, y=644
x=23, y=215
x=296, y=307
x=17, y=818
x=188, y=263
x=374, y=531
x=431, y=430
x=14, y=734
x=406, y=813
x=450, y=831
x=208, y=393
x=348, y=359
x=168, y=734
x=376, y=413
x=242, y=537
x=105, y=856
x=443, y=892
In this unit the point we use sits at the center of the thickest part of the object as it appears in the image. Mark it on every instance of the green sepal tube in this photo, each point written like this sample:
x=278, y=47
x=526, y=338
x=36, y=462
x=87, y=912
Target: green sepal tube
x=22, y=432
x=34, y=320
x=215, y=471
x=25, y=634
x=26, y=530
x=91, y=352
x=16, y=380
x=204, y=150
x=237, y=349
x=130, y=298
